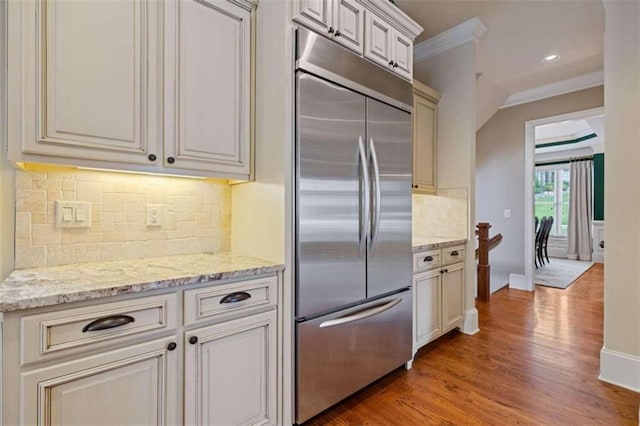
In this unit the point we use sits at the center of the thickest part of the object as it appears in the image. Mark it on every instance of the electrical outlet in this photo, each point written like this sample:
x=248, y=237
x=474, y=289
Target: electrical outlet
x=154, y=215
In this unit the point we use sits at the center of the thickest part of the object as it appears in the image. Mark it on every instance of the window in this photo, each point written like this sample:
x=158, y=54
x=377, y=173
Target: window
x=552, y=185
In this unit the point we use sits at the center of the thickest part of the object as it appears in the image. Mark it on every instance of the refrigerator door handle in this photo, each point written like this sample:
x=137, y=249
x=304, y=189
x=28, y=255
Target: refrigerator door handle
x=375, y=220
x=364, y=199
x=367, y=313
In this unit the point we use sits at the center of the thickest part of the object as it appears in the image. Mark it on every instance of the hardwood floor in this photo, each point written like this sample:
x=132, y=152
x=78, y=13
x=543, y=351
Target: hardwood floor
x=535, y=361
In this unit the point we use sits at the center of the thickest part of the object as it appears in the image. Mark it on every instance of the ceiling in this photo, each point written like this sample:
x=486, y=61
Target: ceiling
x=570, y=130
x=520, y=33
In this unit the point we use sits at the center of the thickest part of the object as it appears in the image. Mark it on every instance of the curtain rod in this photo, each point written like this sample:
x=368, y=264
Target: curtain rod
x=567, y=161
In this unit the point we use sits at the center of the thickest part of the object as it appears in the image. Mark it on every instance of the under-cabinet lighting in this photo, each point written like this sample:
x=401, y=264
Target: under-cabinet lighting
x=96, y=169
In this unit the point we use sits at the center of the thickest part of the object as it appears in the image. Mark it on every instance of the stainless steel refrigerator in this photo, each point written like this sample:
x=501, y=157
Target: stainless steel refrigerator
x=353, y=223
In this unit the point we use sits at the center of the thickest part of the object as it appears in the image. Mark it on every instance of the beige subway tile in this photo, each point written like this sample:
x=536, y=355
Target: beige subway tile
x=156, y=234
x=89, y=191
x=30, y=257
x=135, y=250
x=23, y=241
x=112, y=202
x=31, y=201
x=68, y=195
x=84, y=253
x=59, y=255
x=175, y=247
x=23, y=224
x=68, y=185
x=203, y=220
x=192, y=246
x=22, y=181
x=177, y=203
x=47, y=184
x=108, y=222
x=88, y=236
x=111, y=251
x=38, y=218
x=225, y=243
x=209, y=245
x=45, y=235
x=157, y=248
x=96, y=212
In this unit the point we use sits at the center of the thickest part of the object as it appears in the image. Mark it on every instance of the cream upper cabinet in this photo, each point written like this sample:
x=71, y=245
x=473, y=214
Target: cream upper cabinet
x=381, y=36
x=387, y=46
x=136, y=385
x=133, y=85
x=89, y=79
x=342, y=20
x=424, y=118
x=208, y=89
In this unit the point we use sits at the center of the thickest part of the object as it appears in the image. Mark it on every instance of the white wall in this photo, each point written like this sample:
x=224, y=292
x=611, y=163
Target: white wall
x=620, y=356
x=500, y=174
x=7, y=194
x=453, y=74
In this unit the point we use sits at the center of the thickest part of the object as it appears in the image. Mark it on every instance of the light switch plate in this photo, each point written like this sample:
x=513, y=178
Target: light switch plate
x=73, y=214
x=507, y=213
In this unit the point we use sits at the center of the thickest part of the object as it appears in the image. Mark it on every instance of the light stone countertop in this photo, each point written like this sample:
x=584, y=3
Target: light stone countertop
x=431, y=243
x=31, y=288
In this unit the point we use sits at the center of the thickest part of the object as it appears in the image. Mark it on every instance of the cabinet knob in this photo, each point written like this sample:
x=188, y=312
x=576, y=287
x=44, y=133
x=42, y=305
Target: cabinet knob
x=331, y=30
x=193, y=340
x=428, y=259
x=152, y=157
x=455, y=253
x=172, y=346
x=171, y=160
x=601, y=244
x=338, y=33
x=446, y=270
x=395, y=65
x=390, y=63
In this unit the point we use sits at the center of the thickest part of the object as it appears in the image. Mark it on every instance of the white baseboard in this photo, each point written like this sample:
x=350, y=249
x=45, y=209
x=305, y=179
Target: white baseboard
x=518, y=282
x=470, y=322
x=620, y=369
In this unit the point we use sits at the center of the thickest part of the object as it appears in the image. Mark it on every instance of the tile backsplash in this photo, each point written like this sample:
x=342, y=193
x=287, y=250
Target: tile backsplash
x=195, y=216
x=442, y=215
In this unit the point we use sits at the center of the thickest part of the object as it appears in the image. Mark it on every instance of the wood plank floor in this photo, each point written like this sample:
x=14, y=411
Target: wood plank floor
x=535, y=361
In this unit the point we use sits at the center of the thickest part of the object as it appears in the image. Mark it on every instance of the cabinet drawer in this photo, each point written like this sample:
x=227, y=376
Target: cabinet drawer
x=426, y=260
x=45, y=334
x=228, y=299
x=453, y=254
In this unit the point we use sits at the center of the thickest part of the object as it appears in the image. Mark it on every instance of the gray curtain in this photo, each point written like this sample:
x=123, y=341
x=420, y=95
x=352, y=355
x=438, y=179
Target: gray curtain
x=580, y=202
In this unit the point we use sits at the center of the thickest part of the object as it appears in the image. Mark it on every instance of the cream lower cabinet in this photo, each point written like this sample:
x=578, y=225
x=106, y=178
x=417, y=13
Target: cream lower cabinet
x=438, y=294
x=136, y=385
x=230, y=372
x=202, y=355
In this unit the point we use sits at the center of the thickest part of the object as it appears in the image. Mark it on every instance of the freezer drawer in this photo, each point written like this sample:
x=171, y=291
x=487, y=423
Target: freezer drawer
x=341, y=353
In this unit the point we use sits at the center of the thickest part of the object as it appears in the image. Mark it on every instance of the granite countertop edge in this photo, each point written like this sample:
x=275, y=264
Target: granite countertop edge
x=432, y=243
x=40, y=287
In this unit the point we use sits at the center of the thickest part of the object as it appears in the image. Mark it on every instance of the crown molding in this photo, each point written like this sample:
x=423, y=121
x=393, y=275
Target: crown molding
x=470, y=30
x=562, y=87
x=399, y=19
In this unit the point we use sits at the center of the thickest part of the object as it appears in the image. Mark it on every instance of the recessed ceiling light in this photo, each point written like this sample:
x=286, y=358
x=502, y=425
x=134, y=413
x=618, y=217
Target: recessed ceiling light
x=550, y=58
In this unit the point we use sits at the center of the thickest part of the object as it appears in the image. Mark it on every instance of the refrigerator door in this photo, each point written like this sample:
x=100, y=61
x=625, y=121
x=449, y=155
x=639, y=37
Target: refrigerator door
x=343, y=352
x=390, y=160
x=330, y=196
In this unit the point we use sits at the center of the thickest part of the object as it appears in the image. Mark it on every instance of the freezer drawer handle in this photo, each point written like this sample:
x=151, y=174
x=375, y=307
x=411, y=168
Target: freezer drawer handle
x=108, y=322
x=238, y=296
x=361, y=314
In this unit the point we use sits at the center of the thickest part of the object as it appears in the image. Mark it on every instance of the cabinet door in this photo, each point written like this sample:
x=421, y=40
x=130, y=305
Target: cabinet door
x=378, y=40
x=132, y=386
x=402, y=55
x=230, y=372
x=424, y=145
x=428, y=307
x=349, y=24
x=453, y=295
x=315, y=14
x=90, y=75
x=208, y=58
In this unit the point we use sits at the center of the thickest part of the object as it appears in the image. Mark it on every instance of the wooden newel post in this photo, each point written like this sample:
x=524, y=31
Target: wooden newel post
x=483, y=261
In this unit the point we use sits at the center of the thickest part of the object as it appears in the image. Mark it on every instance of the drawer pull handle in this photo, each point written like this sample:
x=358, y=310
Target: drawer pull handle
x=601, y=244
x=108, y=322
x=428, y=259
x=238, y=296
x=455, y=253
